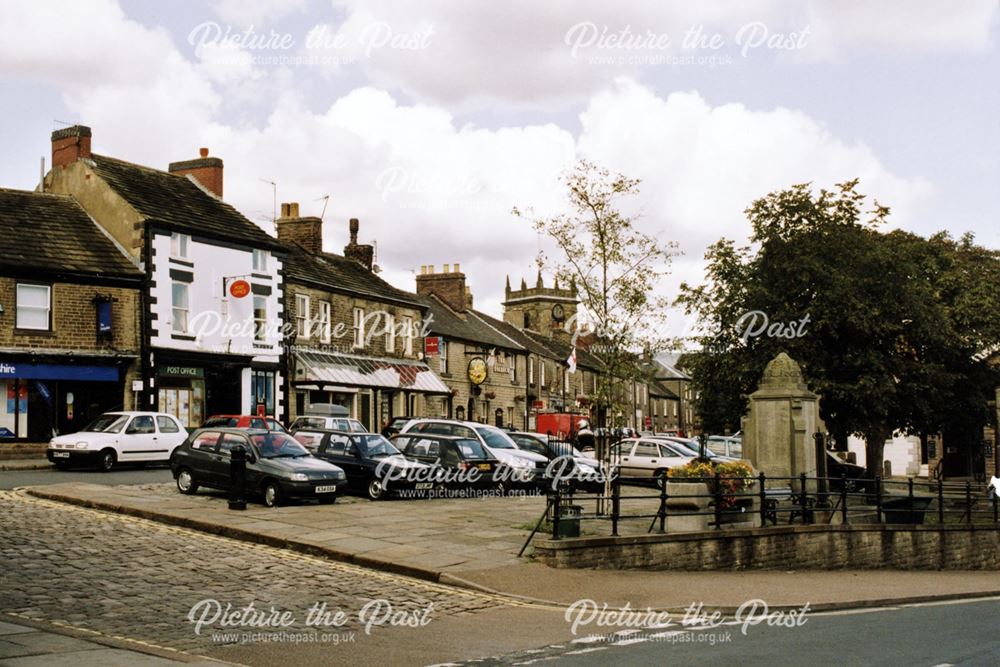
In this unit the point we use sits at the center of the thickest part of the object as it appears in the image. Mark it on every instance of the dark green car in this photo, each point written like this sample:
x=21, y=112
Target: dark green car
x=278, y=467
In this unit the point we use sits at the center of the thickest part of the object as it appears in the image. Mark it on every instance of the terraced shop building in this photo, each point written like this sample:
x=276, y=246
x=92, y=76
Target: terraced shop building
x=69, y=307
x=356, y=340
x=210, y=276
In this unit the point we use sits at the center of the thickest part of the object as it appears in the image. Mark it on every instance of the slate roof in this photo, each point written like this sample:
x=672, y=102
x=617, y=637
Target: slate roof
x=560, y=350
x=52, y=234
x=340, y=274
x=176, y=202
x=471, y=328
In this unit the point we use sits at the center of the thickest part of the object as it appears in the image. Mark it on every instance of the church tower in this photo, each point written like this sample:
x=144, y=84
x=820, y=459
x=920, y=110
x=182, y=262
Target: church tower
x=545, y=310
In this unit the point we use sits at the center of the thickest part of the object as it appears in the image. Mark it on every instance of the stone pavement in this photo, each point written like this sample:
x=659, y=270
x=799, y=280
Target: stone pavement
x=474, y=542
x=28, y=646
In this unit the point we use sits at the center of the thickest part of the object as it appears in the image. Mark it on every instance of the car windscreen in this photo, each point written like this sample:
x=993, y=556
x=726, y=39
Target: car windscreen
x=375, y=446
x=278, y=445
x=107, y=424
x=471, y=449
x=495, y=439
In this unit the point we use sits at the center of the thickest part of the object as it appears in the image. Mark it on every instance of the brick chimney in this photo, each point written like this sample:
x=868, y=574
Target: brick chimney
x=70, y=144
x=359, y=252
x=448, y=285
x=305, y=231
x=206, y=170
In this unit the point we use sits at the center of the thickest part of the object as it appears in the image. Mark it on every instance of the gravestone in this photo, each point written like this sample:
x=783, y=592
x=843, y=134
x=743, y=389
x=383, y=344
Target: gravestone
x=778, y=429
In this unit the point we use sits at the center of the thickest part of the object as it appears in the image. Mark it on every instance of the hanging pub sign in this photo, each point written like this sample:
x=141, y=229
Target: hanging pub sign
x=432, y=346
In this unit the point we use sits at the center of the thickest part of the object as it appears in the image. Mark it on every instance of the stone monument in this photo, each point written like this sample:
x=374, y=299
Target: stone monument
x=778, y=429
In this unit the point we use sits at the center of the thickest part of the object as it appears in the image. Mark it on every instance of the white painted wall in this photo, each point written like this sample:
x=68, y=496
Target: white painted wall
x=902, y=452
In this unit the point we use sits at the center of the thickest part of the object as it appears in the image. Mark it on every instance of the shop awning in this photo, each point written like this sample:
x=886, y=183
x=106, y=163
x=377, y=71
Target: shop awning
x=374, y=372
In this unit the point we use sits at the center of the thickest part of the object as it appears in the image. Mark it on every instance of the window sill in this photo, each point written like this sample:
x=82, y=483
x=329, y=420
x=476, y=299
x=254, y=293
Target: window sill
x=180, y=336
x=183, y=262
x=262, y=276
x=34, y=332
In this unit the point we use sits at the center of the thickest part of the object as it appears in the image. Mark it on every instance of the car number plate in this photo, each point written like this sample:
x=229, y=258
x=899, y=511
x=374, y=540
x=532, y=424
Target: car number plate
x=60, y=455
x=424, y=486
x=485, y=466
x=327, y=488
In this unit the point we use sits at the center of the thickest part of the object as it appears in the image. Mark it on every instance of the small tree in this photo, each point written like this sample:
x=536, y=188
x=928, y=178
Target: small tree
x=615, y=269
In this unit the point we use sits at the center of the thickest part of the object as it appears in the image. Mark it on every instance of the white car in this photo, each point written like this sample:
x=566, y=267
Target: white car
x=528, y=467
x=645, y=457
x=119, y=437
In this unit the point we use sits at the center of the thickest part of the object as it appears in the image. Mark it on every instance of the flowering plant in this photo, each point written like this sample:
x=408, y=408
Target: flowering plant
x=734, y=476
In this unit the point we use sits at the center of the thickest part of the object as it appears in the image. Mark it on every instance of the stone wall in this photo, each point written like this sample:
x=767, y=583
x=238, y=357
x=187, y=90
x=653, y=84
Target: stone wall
x=857, y=547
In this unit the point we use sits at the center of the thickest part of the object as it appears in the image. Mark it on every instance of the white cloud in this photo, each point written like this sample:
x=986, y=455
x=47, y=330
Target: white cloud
x=257, y=12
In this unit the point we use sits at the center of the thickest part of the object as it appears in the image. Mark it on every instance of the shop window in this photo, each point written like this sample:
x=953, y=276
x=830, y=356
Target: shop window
x=179, y=245
x=34, y=307
x=262, y=391
x=180, y=307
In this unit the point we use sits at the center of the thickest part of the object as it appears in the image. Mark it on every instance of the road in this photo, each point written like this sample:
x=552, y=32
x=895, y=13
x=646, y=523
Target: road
x=929, y=634
x=122, y=577
x=12, y=479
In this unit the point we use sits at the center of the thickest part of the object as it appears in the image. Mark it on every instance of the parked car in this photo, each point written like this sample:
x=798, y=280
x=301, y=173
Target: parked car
x=374, y=467
x=244, y=421
x=585, y=471
x=693, y=447
x=456, y=456
x=726, y=445
x=521, y=468
x=395, y=425
x=278, y=467
x=646, y=457
x=119, y=437
x=343, y=424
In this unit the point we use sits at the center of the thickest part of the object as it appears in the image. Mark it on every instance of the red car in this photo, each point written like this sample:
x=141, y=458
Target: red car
x=244, y=421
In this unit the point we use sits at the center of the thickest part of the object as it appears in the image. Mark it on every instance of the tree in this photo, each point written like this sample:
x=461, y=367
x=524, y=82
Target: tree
x=883, y=342
x=615, y=269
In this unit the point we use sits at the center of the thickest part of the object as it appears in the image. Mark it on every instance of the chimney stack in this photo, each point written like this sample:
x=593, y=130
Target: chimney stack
x=206, y=170
x=69, y=145
x=449, y=286
x=306, y=232
x=359, y=252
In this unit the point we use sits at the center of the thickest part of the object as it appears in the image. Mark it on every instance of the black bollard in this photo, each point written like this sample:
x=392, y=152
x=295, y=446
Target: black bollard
x=237, y=478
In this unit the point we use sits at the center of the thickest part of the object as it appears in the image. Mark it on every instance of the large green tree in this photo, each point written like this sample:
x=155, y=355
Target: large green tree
x=885, y=325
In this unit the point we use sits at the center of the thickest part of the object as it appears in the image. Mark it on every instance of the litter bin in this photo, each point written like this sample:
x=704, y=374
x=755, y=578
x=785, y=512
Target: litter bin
x=569, y=520
x=899, y=510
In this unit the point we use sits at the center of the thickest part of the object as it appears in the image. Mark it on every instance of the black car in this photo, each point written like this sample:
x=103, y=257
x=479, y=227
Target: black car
x=278, y=467
x=581, y=471
x=465, y=463
x=395, y=425
x=374, y=467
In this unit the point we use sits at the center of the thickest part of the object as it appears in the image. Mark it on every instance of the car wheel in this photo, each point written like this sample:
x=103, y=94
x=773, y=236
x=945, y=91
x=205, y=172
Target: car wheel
x=106, y=460
x=376, y=491
x=272, y=494
x=186, y=483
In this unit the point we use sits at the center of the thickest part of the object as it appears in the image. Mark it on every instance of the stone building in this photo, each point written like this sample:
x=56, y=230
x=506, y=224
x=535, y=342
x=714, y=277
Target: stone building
x=484, y=368
x=69, y=309
x=212, y=278
x=354, y=339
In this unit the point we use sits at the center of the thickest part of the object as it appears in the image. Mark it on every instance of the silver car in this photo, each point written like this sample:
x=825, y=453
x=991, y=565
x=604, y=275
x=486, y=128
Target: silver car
x=647, y=457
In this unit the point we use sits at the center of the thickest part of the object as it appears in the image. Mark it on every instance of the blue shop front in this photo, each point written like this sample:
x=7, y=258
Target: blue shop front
x=42, y=397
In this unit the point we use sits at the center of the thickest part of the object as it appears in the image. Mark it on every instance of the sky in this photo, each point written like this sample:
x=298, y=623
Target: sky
x=430, y=121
